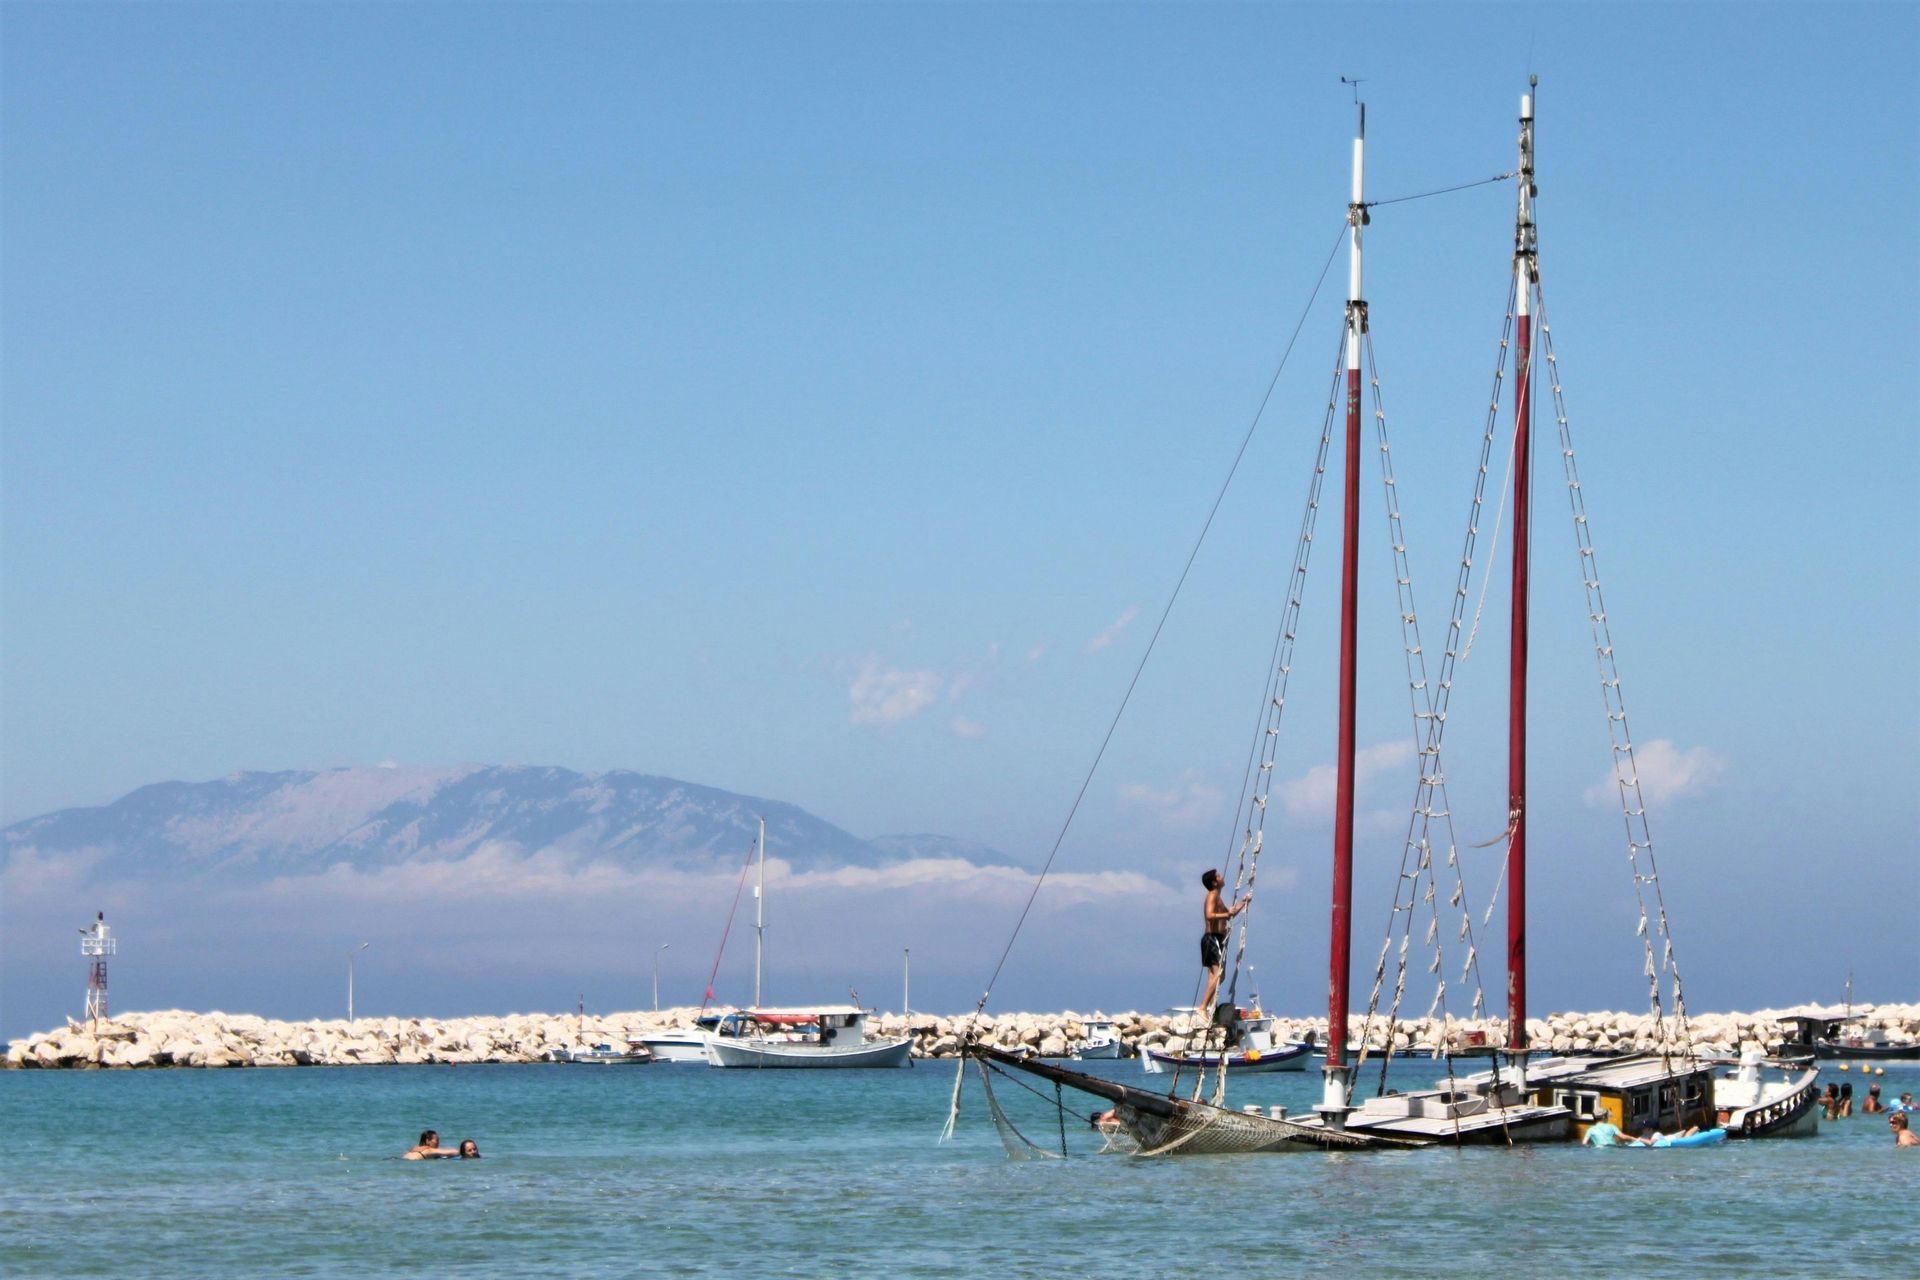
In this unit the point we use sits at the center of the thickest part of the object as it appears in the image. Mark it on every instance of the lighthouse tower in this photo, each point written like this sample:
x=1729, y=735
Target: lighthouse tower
x=96, y=944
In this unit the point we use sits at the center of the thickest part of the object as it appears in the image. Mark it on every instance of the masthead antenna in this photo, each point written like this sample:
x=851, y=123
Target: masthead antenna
x=1356, y=82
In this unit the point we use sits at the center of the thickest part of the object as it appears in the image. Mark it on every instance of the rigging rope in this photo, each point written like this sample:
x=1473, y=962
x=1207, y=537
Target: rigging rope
x=1159, y=626
x=1443, y=191
x=715, y=971
x=1626, y=769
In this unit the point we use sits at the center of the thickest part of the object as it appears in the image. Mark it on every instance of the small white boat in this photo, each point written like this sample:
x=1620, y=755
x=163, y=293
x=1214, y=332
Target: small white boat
x=1103, y=1040
x=1250, y=1052
x=821, y=1036
x=606, y=1055
x=833, y=1036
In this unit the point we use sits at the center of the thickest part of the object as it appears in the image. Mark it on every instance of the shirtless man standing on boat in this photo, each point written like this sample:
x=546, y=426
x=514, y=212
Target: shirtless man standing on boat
x=1213, y=943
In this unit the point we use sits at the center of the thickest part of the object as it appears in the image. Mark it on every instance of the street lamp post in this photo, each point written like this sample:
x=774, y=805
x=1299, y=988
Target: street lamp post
x=350, y=955
x=656, y=974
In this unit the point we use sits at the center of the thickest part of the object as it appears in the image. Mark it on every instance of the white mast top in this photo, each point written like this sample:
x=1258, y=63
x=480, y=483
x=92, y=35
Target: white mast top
x=759, y=911
x=1525, y=242
x=1356, y=219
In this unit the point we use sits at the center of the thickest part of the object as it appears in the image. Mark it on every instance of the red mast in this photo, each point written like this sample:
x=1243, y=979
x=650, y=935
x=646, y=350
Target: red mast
x=1335, y=1090
x=1525, y=267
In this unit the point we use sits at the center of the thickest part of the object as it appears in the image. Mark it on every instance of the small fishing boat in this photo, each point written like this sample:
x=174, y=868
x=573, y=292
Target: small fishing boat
x=834, y=1036
x=1102, y=1041
x=1840, y=1037
x=606, y=1055
x=1251, y=1050
x=820, y=1036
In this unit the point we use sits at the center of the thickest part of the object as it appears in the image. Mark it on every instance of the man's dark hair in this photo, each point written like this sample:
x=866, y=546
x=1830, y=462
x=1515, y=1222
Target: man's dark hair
x=1210, y=878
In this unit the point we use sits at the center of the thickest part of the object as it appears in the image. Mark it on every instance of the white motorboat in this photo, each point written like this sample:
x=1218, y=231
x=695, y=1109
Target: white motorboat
x=677, y=1046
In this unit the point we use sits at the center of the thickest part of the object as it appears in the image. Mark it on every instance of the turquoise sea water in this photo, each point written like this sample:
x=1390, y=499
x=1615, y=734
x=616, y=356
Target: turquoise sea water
x=684, y=1170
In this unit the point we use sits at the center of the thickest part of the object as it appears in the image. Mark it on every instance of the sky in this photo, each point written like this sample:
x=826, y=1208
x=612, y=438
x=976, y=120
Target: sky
x=821, y=401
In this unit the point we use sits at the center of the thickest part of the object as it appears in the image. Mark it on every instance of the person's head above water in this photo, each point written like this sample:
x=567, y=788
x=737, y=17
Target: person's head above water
x=429, y=1138
x=469, y=1150
x=1210, y=878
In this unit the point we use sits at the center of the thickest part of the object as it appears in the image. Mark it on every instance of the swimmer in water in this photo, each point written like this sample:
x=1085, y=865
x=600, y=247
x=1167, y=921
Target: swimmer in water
x=430, y=1148
x=469, y=1150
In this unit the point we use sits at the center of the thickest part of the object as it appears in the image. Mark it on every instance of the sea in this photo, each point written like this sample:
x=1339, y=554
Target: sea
x=686, y=1170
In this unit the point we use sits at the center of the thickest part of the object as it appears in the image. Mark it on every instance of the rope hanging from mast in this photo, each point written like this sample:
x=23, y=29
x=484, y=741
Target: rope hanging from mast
x=1633, y=806
x=1428, y=702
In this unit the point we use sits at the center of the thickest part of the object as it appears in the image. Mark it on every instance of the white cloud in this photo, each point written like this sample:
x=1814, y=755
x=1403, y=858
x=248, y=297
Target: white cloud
x=1113, y=631
x=499, y=873
x=972, y=730
x=888, y=695
x=1666, y=773
x=1186, y=802
x=1311, y=795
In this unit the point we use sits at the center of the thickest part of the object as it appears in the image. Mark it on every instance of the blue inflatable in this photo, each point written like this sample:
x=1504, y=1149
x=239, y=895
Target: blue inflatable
x=1705, y=1138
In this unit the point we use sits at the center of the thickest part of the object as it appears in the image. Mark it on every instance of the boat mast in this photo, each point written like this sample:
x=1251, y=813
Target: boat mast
x=1336, y=1085
x=1526, y=268
x=759, y=910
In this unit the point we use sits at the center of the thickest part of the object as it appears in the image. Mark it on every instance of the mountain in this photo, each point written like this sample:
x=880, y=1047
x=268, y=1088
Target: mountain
x=258, y=825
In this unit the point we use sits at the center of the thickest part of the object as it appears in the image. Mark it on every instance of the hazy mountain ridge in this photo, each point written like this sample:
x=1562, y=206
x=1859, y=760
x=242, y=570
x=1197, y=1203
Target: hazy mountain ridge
x=301, y=822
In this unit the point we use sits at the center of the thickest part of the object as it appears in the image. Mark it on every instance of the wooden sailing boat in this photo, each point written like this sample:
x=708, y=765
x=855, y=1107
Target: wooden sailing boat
x=1519, y=1100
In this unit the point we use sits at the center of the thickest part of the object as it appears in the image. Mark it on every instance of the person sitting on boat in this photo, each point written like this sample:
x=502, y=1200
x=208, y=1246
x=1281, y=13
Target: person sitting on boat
x=1903, y=1134
x=1213, y=943
x=1605, y=1133
x=1873, y=1105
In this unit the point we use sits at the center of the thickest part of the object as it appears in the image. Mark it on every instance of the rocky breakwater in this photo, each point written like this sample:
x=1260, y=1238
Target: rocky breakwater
x=175, y=1038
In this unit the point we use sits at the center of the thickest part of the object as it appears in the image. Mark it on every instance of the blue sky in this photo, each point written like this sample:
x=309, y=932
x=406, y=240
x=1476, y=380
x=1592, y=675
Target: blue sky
x=791, y=399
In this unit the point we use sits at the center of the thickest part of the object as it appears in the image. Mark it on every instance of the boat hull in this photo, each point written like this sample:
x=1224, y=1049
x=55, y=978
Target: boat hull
x=1866, y=1053
x=677, y=1048
x=1788, y=1108
x=789, y=1055
x=1481, y=1125
x=1292, y=1057
x=1159, y=1125
x=1098, y=1052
